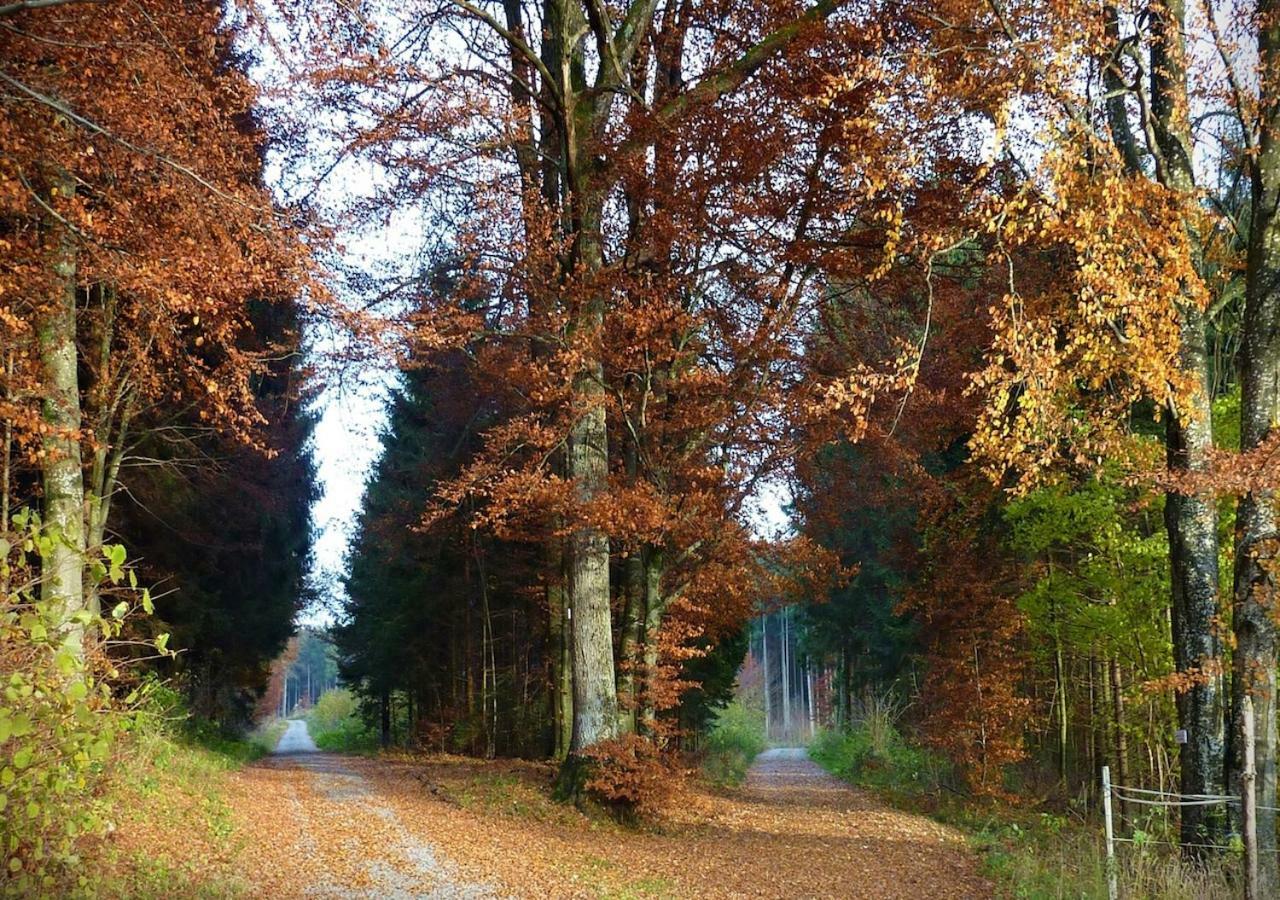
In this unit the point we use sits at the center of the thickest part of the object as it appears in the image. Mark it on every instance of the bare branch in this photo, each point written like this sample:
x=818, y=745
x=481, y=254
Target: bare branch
x=10, y=9
x=516, y=42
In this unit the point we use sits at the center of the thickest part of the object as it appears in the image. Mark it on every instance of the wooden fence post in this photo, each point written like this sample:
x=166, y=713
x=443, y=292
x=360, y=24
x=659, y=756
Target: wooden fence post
x=1249, y=805
x=1113, y=887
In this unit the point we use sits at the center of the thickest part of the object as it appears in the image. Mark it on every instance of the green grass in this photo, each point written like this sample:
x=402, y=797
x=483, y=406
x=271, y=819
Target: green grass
x=878, y=757
x=267, y=735
x=736, y=738
x=609, y=881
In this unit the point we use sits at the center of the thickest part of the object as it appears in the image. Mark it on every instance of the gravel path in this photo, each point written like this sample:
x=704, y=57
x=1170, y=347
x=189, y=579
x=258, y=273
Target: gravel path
x=323, y=825
x=323, y=830
x=296, y=739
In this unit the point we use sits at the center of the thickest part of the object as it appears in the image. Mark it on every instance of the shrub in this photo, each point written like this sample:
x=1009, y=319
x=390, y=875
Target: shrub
x=334, y=708
x=877, y=757
x=60, y=719
x=335, y=723
x=628, y=774
x=735, y=740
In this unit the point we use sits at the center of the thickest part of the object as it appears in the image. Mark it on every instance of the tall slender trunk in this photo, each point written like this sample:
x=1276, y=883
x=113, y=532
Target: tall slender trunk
x=764, y=651
x=62, y=573
x=6, y=447
x=1121, y=739
x=655, y=607
x=632, y=615
x=1060, y=696
x=1191, y=521
x=561, y=653
x=785, y=655
x=1254, y=600
x=384, y=709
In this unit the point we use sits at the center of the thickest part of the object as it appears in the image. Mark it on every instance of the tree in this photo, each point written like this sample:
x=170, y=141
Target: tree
x=133, y=245
x=644, y=292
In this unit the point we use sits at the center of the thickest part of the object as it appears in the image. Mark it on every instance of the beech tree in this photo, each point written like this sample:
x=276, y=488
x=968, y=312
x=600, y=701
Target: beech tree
x=135, y=229
x=644, y=284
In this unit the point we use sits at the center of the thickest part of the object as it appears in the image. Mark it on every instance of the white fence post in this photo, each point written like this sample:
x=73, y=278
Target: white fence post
x=1249, y=805
x=1113, y=887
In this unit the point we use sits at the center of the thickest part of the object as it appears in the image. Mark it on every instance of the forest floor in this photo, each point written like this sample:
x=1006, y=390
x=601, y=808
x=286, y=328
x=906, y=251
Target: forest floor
x=326, y=825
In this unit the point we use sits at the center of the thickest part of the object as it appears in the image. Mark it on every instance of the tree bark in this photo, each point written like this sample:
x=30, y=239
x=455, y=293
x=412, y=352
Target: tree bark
x=1121, y=739
x=62, y=583
x=655, y=607
x=1254, y=596
x=1191, y=521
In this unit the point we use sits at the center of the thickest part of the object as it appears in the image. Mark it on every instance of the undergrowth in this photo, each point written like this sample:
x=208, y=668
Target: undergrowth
x=336, y=725
x=1029, y=853
x=736, y=738
x=172, y=830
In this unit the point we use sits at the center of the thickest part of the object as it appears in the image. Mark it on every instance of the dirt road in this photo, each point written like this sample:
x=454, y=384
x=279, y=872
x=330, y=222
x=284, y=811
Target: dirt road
x=296, y=739
x=321, y=825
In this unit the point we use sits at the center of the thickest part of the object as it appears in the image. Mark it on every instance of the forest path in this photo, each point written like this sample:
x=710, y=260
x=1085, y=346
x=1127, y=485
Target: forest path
x=318, y=827
x=324, y=825
x=296, y=739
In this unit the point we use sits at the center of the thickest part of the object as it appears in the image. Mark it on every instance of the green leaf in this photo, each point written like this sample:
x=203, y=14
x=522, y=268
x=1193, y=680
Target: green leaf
x=115, y=553
x=162, y=642
x=120, y=609
x=78, y=690
x=148, y=606
x=22, y=758
x=66, y=661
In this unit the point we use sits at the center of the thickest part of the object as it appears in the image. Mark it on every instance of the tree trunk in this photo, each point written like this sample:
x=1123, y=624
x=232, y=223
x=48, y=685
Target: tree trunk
x=655, y=607
x=1121, y=739
x=1192, y=522
x=1254, y=600
x=595, y=700
x=62, y=584
x=785, y=657
x=384, y=708
x=561, y=656
x=764, y=652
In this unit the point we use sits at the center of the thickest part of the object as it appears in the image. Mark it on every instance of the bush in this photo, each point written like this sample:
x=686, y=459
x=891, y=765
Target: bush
x=628, y=774
x=877, y=757
x=335, y=723
x=735, y=740
x=61, y=722
x=334, y=708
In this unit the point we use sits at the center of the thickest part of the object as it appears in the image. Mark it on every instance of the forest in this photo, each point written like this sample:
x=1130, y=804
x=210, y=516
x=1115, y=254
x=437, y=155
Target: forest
x=815, y=448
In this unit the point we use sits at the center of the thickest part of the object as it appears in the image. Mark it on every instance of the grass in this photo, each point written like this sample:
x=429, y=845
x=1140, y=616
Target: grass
x=172, y=829
x=267, y=735
x=1054, y=858
x=1029, y=854
x=608, y=880
x=735, y=740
